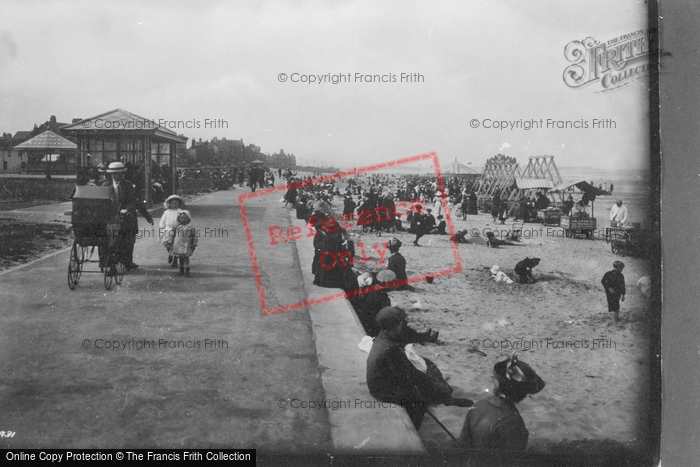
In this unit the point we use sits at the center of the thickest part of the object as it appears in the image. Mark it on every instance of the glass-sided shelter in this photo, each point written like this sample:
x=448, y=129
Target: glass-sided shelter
x=119, y=135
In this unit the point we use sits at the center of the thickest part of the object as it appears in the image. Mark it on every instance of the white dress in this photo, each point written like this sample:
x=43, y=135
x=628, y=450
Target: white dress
x=168, y=223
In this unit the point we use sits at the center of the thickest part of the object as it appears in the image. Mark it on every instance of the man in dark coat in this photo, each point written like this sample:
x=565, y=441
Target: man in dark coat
x=129, y=201
x=391, y=377
x=615, y=289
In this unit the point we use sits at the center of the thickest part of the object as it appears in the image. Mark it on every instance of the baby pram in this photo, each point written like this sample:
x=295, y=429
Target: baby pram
x=95, y=223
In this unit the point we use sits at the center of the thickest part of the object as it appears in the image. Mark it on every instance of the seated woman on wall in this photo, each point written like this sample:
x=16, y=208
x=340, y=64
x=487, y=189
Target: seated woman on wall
x=367, y=305
x=495, y=422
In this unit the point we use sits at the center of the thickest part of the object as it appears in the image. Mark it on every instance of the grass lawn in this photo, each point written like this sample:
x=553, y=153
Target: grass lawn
x=21, y=242
x=18, y=193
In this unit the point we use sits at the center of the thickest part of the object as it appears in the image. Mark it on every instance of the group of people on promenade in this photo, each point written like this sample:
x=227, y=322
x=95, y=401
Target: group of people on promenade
x=176, y=229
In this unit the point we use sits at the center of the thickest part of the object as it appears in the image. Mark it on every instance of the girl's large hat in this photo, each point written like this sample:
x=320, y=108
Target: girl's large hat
x=116, y=167
x=174, y=197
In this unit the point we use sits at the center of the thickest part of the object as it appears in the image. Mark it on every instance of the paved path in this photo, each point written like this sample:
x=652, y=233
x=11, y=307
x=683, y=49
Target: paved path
x=221, y=387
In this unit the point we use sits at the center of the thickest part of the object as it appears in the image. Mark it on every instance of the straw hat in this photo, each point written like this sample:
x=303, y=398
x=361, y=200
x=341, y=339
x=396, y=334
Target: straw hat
x=116, y=167
x=386, y=275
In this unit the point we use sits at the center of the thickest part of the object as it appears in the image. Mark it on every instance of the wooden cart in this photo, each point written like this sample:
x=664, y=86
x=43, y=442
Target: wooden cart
x=550, y=217
x=578, y=226
x=628, y=240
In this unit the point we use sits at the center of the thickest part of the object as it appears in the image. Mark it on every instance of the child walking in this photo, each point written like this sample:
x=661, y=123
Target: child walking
x=614, y=285
x=185, y=242
x=168, y=223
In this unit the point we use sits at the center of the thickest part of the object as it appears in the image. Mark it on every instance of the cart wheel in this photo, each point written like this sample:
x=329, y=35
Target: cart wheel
x=74, y=266
x=613, y=248
x=120, y=272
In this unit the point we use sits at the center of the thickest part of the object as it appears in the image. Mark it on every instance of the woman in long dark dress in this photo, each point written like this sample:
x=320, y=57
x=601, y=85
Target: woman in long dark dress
x=495, y=422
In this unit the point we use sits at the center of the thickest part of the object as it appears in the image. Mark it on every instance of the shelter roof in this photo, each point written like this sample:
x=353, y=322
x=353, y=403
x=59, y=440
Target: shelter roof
x=47, y=140
x=120, y=121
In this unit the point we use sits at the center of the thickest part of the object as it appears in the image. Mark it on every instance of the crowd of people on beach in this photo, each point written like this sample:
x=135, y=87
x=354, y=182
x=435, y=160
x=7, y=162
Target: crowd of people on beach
x=380, y=204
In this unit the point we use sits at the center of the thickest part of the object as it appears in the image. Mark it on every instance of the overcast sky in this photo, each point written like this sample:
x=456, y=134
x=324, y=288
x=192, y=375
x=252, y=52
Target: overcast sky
x=191, y=61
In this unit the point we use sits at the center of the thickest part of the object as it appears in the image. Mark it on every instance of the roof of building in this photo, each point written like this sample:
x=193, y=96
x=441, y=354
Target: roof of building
x=47, y=140
x=122, y=121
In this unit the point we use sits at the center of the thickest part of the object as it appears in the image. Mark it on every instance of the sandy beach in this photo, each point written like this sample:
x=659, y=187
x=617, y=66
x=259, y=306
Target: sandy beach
x=597, y=374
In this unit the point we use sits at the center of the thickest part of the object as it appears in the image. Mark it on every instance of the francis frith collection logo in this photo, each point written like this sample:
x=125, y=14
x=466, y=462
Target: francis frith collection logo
x=613, y=63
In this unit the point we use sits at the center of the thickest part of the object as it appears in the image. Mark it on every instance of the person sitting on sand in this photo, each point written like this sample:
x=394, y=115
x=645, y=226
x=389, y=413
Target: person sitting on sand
x=461, y=236
x=495, y=422
x=440, y=229
x=524, y=270
x=391, y=377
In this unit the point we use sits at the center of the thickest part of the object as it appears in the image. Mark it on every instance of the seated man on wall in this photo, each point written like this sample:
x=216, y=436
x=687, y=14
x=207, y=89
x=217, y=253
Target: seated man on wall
x=391, y=377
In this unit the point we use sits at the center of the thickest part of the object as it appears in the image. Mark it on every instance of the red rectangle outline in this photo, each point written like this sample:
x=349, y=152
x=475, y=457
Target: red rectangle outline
x=407, y=160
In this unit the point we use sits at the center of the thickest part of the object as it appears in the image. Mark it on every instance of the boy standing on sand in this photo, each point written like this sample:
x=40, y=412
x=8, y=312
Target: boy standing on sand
x=614, y=285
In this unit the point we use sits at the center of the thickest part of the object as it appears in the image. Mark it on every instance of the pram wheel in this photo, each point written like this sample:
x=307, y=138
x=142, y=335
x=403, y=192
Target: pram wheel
x=110, y=270
x=74, y=267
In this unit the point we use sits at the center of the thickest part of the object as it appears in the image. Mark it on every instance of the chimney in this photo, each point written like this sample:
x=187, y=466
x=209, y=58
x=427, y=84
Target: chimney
x=76, y=120
x=53, y=119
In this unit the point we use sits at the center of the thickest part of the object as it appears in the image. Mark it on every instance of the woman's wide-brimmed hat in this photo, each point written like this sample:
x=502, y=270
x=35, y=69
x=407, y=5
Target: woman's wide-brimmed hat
x=322, y=206
x=516, y=373
x=116, y=167
x=495, y=269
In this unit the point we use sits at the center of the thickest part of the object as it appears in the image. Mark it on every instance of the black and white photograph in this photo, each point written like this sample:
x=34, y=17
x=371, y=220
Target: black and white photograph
x=301, y=232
